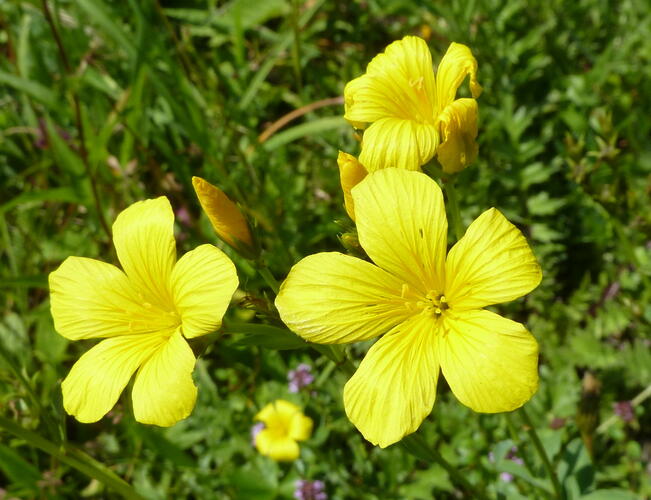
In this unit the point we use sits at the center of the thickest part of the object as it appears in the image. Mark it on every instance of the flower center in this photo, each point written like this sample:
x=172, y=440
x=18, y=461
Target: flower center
x=435, y=304
x=278, y=427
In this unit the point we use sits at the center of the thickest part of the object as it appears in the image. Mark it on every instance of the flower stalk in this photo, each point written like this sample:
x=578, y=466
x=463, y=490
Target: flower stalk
x=531, y=430
x=74, y=458
x=453, y=205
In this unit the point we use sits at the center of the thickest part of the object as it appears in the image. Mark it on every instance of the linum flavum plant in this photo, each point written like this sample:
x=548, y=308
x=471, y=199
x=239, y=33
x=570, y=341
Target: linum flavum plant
x=145, y=312
x=244, y=338
x=428, y=308
x=283, y=426
x=413, y=114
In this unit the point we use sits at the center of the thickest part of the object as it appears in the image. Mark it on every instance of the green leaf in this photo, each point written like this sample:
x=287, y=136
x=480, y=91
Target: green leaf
x=99, y=16
x=167, y=450
x=31, y=88
x=255, y=482
x=20, y=472
x=542, y=204
x=610, y=494
x=62, y=194
x=267, y=336
x=312, y=128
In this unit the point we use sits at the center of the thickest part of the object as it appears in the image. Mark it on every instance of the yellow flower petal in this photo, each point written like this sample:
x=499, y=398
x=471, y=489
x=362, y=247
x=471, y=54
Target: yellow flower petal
x=284, y=425
x=394, y=388
x=350, y=91
x=398, y=83
x=394, y=142
x=96, y=380
x=458, y=148
x=164, y=391
x=457, y=62
x=492, y=263
x=279, y=412
x=283, y=449
x=227, y=220
x=203, y=282
x=334, y=298
x=351, y=172
x=402, y=226
x=300, y=427
x=90, y=299
x=490, y=362
x=143, y=235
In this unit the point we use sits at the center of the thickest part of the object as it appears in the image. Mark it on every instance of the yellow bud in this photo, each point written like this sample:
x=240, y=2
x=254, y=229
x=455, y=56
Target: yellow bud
x=226, y=219
x=351, y=172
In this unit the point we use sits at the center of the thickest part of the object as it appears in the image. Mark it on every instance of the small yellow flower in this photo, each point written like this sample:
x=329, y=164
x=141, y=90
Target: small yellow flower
x=226, y=219
x=145, y=313
x=413, y=113
x=351, y=172
x=285, y=424
x=428, y=308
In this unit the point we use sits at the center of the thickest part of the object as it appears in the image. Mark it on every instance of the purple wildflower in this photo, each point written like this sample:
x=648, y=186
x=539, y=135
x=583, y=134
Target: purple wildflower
x=624, y=410
x=300, y=377
x=255, y=430
x=310, y=490
x=506, y=477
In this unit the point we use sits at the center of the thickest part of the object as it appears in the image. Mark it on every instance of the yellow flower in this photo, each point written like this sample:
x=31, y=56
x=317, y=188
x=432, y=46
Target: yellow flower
x=226, y=219
x=351, y=172
x=429, y=307
x=285, y=424
x=146, y=313
x=412, y=113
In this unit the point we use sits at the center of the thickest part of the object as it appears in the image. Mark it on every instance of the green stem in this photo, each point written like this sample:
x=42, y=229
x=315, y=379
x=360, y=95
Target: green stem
x=269, y=278
x=296, y=48
x=83, y=152
x=531, y=430
x=453, y=205
x=416, y=445
x=337, y=355
x=73, y=457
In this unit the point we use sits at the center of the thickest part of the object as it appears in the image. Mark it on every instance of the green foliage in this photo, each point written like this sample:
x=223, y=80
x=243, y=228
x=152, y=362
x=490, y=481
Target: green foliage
x=164, y=91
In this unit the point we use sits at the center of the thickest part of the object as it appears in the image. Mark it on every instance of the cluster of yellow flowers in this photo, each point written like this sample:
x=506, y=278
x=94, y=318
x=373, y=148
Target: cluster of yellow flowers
x=425, y=303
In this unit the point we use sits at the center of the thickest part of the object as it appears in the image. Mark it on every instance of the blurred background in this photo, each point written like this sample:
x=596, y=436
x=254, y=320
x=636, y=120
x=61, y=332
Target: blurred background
x=104, y=103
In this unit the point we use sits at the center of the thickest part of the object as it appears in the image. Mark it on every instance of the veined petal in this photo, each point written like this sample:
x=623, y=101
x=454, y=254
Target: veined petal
x=226, y=219
x=280, y=448
x=398, y=83
x=490, y=362
x=96, y=380
x=143, y=235
x=90, y=299
x=331, y=298
x=491, y=263
x=402, y=226
x=394, y=388
x=164, y=392
x=395, y=142
x=457, y=62
x=458, y=123
x=350, y=92
x=203, y=283
x=351, y=172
